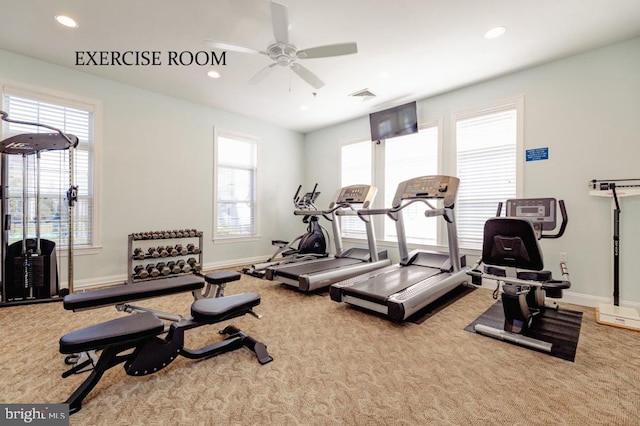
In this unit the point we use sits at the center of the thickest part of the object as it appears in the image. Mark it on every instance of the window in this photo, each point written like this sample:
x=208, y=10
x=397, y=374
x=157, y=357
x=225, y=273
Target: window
x=356, y=169
x=72, y=117
x=407, y=157
x=486, y=152
x=235, y=181
x=400, y=158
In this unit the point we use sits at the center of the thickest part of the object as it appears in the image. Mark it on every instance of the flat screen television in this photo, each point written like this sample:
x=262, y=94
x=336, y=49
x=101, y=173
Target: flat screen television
x=392, y=122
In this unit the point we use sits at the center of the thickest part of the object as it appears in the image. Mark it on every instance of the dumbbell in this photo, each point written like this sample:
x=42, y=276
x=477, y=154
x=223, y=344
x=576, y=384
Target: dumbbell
x=172, y=251
x=162, y=251
x=152, y=270
x=172, y=234
x=179, y=233
x=182, y=250
x=184, y=266
x=191, y=248
x=193, y=263
x=173, y=266
x=138, y=253
x=140, y=272
x=163, y=268
x=153, y=252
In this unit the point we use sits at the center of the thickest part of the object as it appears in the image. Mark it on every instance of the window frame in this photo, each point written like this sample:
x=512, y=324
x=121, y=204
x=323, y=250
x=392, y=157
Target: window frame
x=514, y=103
x=378, y=161
x=244, y=137
x=65, y=99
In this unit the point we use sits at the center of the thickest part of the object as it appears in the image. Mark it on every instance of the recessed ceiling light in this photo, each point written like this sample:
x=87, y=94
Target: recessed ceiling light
x=304, y=108
x=494, y=32
x=67, y=21
x=213, y=74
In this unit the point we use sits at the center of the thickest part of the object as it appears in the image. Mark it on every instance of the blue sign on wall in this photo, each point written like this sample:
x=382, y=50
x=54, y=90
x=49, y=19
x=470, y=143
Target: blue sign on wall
x=537, y=154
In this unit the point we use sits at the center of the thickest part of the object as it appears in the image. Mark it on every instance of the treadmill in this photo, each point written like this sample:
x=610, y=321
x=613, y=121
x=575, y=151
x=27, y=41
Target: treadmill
x=421, y=277
x=315, y=274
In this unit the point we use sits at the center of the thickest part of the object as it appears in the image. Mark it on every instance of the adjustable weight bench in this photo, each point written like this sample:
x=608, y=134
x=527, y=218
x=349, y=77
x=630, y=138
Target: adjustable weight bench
x=143, y=341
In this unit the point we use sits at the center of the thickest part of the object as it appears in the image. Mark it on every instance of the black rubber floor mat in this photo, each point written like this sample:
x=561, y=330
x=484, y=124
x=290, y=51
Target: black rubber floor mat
x=559, y=327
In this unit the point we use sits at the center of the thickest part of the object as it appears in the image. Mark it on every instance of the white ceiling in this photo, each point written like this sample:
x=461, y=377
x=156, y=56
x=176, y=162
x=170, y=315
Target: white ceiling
x=407, y=49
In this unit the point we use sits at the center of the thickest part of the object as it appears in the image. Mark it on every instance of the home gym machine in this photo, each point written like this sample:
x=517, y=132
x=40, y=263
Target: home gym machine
x=29, y=266
x=310, y=245
x=615, y=189
x=512, y=258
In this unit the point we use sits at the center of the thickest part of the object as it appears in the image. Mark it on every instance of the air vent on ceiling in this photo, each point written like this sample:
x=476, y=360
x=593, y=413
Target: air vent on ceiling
x=364, y=94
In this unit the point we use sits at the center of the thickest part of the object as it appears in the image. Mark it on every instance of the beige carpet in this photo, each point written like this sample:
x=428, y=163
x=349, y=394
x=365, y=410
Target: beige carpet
x=335, y=365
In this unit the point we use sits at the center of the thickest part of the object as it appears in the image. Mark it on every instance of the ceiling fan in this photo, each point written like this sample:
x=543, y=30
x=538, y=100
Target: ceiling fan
x=285, y=54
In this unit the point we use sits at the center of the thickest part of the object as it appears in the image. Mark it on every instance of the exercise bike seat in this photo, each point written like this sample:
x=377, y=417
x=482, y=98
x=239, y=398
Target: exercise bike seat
x=119, y=331
x=210, y=311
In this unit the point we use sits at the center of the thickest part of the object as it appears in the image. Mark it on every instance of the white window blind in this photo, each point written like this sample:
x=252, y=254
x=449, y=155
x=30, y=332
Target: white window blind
x=54, y=170
x=486, y=166
x=407, y=157
x=235, y=184
x=356, y=168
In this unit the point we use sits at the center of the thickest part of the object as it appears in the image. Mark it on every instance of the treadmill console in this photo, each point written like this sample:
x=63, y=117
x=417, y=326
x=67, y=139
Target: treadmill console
x=357, y=194
x=541, y=211
x=428, y=187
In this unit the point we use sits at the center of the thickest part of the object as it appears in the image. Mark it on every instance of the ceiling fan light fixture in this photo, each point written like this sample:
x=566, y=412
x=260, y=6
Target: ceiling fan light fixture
x=66, y=21
x=494, y=32
x=213, y=74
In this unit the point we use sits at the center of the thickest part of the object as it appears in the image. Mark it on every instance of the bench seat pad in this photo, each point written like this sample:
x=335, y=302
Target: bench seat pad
x=222, y=277
x=118, y=331
x=210, y=311
x=131, y=292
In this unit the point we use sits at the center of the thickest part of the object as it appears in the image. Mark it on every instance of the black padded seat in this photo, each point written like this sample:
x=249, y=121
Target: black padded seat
x=210, y=311
x=131, y=292
x=534, y=275
x=495, y=270
x=223, y=277
x=118, y=331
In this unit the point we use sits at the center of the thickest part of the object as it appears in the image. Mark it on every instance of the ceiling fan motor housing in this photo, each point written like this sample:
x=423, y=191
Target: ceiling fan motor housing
x=283, y=54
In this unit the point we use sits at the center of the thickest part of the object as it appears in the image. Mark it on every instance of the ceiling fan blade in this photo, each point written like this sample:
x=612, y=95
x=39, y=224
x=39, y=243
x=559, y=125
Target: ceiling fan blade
x=328, y=50
x=307, y=75
x=262, y=74
x=226, y=46
x=280, y=22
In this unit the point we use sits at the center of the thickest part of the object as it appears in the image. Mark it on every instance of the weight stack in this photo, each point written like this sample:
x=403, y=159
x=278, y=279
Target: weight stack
x=37, y=278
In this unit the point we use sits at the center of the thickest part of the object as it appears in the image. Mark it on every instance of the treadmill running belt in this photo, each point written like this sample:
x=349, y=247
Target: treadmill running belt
x=379, y=287
x=293, y=272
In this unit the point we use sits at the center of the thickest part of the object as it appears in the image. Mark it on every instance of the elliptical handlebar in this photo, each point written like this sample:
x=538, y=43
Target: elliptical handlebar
x=296, y=199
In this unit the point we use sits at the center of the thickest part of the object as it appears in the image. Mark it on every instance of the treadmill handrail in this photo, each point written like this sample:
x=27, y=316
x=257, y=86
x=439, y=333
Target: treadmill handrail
x=392, y=210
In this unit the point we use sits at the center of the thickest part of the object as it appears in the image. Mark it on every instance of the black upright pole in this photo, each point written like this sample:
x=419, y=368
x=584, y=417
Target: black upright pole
x=616, y=247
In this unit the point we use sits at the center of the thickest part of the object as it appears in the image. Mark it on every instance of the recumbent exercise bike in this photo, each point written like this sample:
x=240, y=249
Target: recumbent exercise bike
x=512, y=257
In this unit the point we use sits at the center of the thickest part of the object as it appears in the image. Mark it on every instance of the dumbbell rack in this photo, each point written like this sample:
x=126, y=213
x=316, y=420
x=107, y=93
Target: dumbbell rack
x=158, y=237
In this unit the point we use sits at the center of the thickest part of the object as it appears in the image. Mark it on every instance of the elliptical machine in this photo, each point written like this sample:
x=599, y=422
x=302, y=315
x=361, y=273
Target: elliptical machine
x=310, y=245
x=512, y=257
